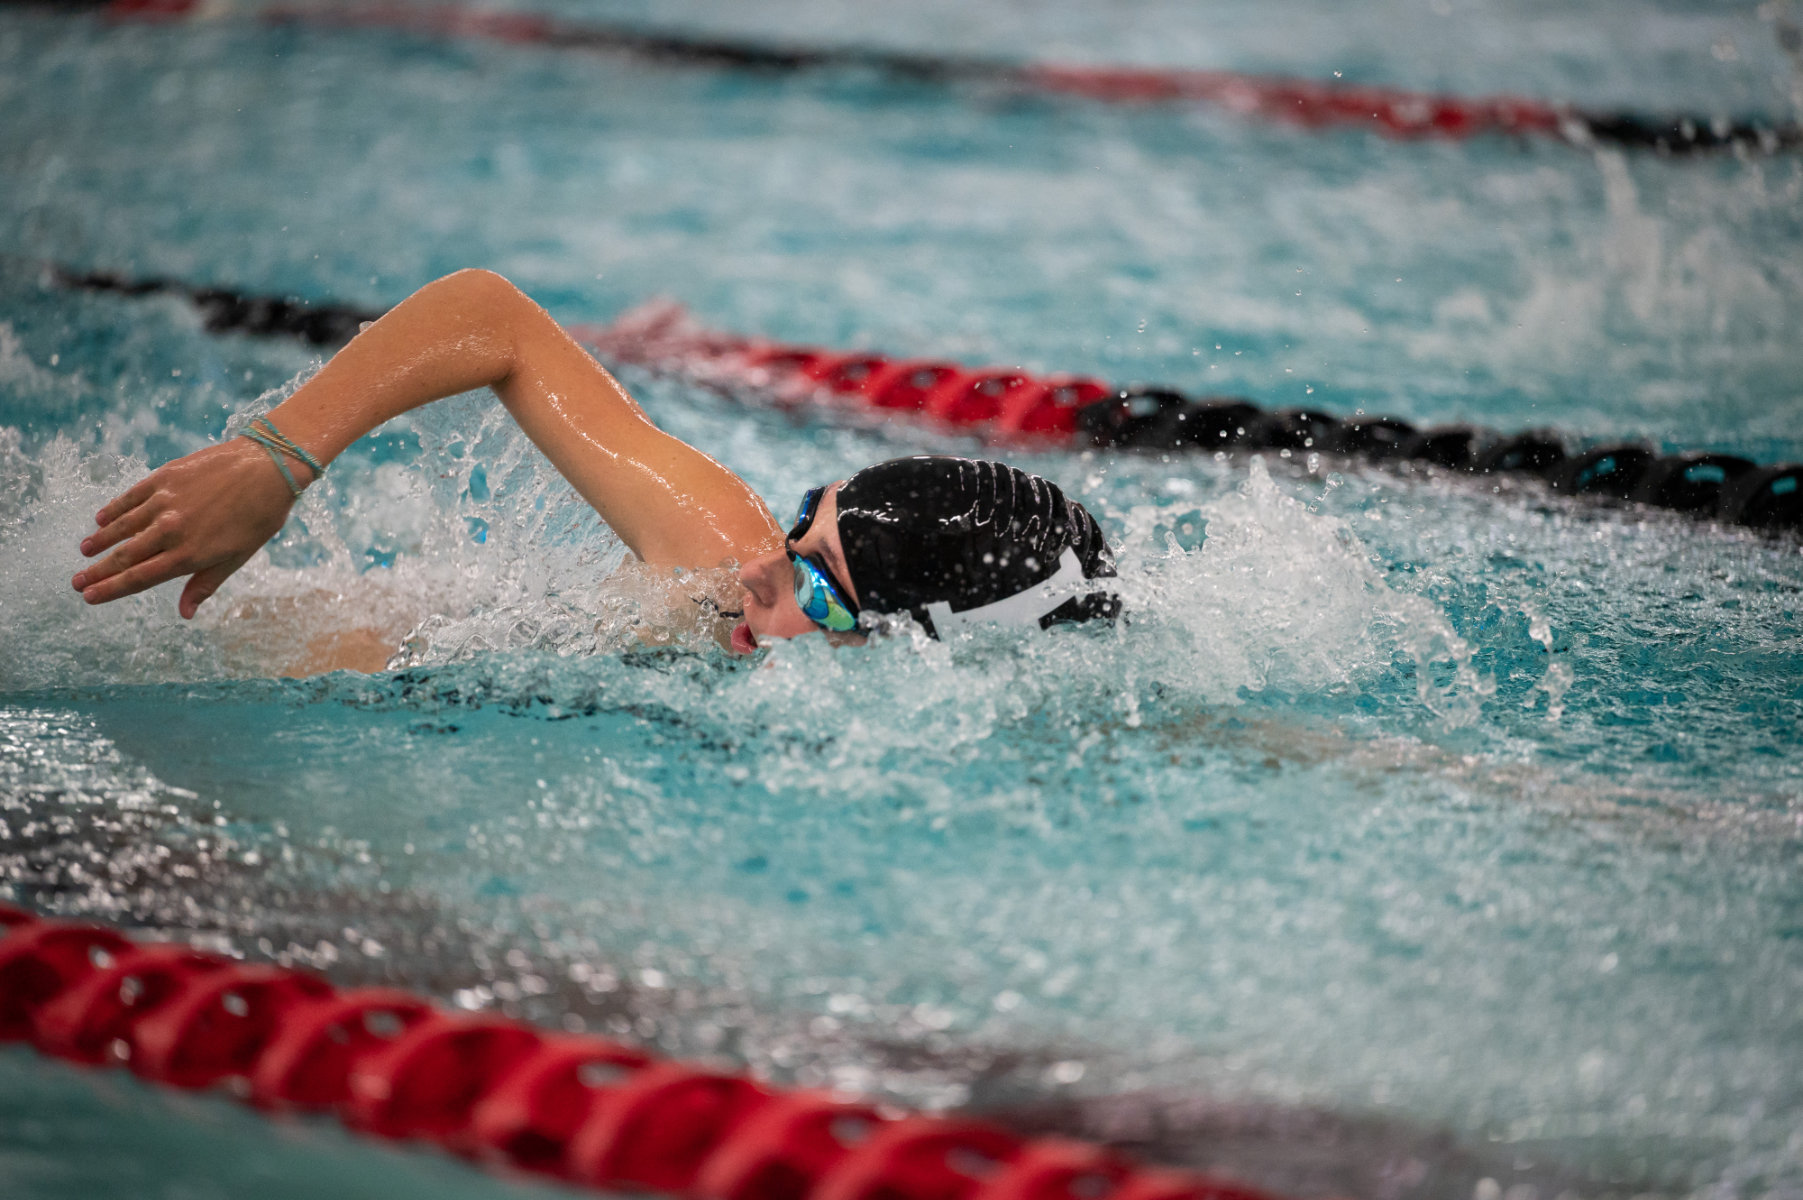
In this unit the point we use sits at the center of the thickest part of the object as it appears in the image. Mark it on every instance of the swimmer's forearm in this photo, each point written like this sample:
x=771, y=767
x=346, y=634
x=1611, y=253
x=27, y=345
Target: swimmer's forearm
x=454, y=335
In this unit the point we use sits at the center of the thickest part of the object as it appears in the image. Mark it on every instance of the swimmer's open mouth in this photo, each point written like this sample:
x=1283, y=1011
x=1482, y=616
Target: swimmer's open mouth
x=743, y=640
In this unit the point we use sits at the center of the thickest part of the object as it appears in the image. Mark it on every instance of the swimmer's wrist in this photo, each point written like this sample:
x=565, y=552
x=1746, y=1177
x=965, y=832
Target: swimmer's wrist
x=283, y=452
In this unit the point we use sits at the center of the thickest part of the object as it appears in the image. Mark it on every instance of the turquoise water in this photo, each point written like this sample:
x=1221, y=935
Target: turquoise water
x=1413, y=834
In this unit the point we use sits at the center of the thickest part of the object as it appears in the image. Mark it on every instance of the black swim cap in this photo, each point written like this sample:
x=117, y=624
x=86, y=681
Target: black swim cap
x=936, y=530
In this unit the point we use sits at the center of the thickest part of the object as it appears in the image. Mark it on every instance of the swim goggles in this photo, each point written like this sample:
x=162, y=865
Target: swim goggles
x=821, y=598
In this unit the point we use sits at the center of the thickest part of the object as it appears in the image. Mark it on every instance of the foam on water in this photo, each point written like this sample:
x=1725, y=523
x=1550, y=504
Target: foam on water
x=479, y=547
x=1410, y=829
x=1282, y=596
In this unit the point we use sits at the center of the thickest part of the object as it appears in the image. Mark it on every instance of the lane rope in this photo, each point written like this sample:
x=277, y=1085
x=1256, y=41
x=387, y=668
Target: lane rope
x=1007, y=406
x=586, y=1110
x=1307, y=104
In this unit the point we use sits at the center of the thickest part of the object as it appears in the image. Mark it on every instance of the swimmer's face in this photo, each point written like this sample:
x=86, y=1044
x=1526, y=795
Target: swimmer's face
x=769, y=581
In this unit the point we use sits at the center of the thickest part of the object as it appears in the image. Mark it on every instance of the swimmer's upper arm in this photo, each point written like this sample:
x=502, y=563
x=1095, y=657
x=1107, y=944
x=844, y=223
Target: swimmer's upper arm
x=669, y=502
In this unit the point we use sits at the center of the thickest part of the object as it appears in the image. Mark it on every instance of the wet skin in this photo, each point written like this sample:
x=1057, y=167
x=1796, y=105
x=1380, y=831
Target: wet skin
x=769, y=581
x=204, y=515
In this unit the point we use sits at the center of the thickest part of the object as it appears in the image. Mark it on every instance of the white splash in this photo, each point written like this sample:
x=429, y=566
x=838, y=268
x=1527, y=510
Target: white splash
x=1282, y=597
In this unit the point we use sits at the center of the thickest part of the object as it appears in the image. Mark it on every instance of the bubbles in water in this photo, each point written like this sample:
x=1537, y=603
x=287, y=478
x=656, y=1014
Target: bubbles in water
x=1244, y=594
x=19, y=374
x=1279, y=596
x=1555, y=683
x=52, y=636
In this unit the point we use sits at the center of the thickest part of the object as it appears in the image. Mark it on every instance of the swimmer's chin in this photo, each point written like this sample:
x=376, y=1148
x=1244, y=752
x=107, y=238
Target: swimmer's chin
x=744, y=641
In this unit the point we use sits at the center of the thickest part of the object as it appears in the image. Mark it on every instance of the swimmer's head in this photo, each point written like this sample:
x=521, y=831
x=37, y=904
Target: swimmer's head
x=955, y=540
x=948, y=541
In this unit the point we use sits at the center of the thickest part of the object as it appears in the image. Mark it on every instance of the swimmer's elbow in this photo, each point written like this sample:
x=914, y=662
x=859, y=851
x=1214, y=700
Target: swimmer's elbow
x=488, y=296
x=480, y=283
x=500, y=311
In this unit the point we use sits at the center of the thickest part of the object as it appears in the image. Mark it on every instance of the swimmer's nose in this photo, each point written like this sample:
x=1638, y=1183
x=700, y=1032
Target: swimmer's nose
x=759, y=580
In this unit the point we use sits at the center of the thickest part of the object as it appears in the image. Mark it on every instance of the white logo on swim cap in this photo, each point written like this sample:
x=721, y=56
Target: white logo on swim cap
x=1022, y=608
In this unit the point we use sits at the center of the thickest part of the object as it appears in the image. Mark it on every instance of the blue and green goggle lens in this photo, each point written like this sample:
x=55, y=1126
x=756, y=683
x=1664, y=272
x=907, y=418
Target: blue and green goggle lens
x=819, y=596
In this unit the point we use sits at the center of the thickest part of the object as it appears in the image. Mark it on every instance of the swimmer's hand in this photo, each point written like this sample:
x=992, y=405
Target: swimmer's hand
x=203, y=515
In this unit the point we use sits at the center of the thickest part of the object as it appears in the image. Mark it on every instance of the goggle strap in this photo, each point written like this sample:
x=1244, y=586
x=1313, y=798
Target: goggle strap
x=804, y=519
x=1027, y=607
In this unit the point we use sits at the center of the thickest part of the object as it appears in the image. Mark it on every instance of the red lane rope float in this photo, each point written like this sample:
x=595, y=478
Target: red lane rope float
x=907, y=386
x=96, y=1019
x=217, y=1026
x=308, y=1063
x=1392, y=112
x=1051, y=411
x=657, y=1130
x=1057, y=1170
x=529, y=1116
x=1389, y=111
x=922, y=1158
x=780, y=1151
x=582, y=1109
x=428, y=1081
x=977, y=397
x=39, y=960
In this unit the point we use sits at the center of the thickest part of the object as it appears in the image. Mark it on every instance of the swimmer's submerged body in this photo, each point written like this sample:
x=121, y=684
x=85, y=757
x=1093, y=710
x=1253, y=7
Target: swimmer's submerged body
x=949, y=541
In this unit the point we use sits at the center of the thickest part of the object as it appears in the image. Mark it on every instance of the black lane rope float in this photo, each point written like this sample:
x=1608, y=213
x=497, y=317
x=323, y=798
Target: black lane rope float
x=1392, y=112
x=226, y=311
x=1007, y=406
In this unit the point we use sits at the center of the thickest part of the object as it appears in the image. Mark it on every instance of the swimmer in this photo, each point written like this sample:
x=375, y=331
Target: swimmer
x=948, y=541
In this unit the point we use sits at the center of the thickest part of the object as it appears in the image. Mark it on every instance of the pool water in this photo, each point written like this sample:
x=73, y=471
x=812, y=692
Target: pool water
x=1415, y=837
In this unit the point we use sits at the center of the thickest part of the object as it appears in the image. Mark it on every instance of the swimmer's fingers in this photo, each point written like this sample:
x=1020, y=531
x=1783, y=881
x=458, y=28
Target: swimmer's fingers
x=205, y=583
x=127, y=500
x=134, y=579
x=100, y=582
x=135, y=520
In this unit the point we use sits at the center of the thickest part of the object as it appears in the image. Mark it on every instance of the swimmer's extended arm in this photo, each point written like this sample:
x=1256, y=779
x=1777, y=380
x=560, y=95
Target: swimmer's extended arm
x=205, y=514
